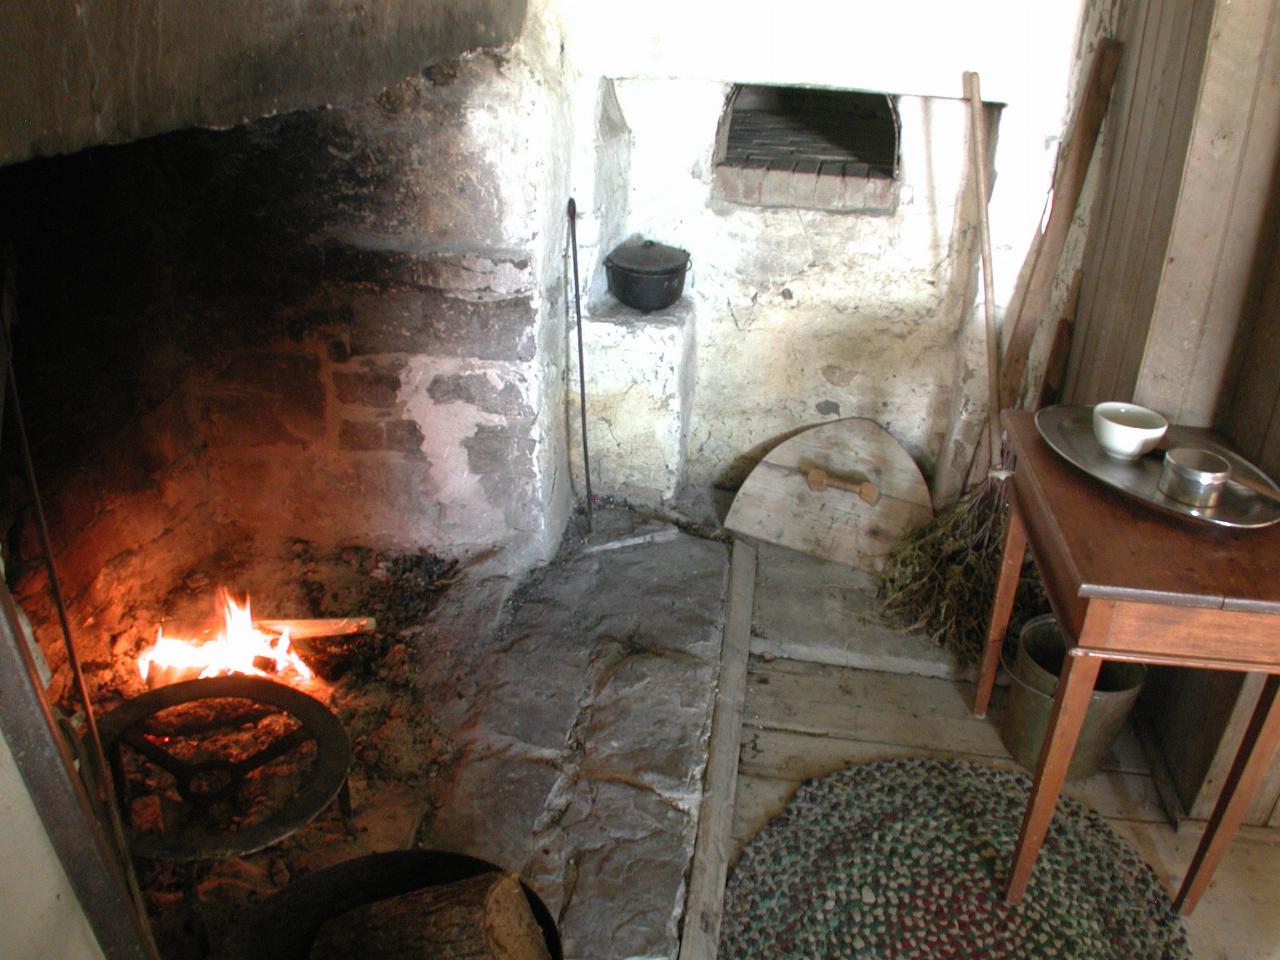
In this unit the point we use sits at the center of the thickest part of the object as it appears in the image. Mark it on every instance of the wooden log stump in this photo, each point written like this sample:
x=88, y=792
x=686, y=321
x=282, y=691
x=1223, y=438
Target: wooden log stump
x=482, y=918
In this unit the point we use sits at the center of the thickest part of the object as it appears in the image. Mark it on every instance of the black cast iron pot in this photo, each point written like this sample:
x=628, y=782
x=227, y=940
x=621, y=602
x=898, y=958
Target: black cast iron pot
x=647, y=275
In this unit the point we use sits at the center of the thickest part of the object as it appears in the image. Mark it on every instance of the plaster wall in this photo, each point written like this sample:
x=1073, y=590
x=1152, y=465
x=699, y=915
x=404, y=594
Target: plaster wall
x=793, y=317
x=1022, y=52
x=41, y=916
x=798, y=316
x=640, y=388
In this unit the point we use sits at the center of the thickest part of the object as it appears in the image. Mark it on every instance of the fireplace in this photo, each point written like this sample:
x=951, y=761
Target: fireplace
x=318, y=359
x=328, y=327
x=344, y=324
x=313, y=356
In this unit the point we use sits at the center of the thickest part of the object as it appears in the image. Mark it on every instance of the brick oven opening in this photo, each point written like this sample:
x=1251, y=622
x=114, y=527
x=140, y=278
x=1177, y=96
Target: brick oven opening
x=809, y=148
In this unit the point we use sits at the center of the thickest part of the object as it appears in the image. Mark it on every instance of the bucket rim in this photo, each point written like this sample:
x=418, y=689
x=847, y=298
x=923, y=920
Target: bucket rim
x=1138, y=671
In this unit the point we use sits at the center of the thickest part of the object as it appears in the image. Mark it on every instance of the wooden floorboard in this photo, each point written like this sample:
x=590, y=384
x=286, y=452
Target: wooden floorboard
x=804, y=720
x=700, y=934
x=760, y=799
x=785, y=755
x=915, y=712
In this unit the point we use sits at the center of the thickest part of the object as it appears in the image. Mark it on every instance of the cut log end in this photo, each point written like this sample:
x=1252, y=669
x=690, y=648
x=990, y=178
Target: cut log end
x=482, y=918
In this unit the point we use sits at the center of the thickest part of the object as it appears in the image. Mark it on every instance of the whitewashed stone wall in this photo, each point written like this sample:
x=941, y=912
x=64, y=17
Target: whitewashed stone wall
x=794, y=317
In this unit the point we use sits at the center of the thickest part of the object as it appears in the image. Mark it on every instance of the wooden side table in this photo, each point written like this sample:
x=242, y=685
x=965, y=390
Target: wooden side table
x=1128, y=582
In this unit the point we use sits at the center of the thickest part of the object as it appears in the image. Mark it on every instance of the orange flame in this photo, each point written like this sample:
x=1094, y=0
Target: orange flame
x=239, y=647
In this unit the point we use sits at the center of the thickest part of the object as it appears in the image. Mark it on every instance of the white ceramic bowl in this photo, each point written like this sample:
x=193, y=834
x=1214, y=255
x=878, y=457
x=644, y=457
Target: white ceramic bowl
x=1127, y=431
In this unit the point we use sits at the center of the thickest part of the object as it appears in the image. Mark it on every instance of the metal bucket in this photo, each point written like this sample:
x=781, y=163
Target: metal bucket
x=1041, y=652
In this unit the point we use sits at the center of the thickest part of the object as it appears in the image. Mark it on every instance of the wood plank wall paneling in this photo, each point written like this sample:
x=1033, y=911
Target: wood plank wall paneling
x=1147, y=134
x=1180, y=297
x=1116, y=292
x=1093, y=317
x=1220, y=216
x=1172, y=114
x=1252, y=413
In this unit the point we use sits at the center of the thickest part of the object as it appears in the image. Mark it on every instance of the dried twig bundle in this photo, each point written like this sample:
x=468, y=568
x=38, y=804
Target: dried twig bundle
x=941, y=578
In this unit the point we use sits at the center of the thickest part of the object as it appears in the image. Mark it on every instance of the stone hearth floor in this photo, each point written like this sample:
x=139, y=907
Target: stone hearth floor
x=582, y=729
x=556, y=726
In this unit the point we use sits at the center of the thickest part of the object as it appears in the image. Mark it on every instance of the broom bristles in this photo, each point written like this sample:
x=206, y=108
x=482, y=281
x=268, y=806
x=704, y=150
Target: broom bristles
x=941, y=577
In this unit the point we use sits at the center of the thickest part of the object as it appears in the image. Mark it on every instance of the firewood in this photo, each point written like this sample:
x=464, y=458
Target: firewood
x=330, y=627
x=483, y=918
x=298, y=629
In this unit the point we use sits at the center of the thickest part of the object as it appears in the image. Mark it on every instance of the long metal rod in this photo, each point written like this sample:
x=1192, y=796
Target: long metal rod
x=55, y=587
x=7, y=310
x=582, y=370
x=88, y=858
x=96, y=756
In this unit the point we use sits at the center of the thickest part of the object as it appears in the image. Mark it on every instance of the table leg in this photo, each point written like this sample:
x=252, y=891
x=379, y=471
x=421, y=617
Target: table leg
x=1252, y=761
x=1015, y=549
x=1075, y=687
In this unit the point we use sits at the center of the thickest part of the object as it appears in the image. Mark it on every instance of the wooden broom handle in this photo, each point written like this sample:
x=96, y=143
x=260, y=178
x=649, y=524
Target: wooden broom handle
x=978, y=144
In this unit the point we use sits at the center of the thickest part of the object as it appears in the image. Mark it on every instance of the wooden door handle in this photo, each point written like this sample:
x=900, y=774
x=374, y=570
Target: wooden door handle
x=819, y=480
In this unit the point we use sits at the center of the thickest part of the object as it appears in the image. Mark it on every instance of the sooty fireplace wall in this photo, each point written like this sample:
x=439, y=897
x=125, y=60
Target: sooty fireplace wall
x=342, y=325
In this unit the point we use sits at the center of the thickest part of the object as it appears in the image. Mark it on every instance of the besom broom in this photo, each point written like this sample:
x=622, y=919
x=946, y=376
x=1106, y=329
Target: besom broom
x=941, y=577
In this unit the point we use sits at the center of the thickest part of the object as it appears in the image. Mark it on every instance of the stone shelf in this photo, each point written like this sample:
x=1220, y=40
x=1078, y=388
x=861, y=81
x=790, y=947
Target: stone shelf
x=640, y=373
x=612, y=311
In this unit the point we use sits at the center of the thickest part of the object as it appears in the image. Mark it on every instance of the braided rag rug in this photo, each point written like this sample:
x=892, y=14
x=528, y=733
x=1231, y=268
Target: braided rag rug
x=904, y=860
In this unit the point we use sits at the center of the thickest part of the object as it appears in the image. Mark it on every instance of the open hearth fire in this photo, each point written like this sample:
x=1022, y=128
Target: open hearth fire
x=228, y=763
x=239, y=646
x=221, y=757
x=228, y=780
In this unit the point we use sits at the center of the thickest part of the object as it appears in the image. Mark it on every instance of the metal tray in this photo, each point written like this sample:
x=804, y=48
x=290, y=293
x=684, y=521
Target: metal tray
x=1069, y=431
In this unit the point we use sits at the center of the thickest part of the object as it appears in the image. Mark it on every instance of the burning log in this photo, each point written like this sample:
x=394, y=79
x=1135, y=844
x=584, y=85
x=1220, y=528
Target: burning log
x=305, y=629
x=330, y=627
x=481, y=918
x=242, y=644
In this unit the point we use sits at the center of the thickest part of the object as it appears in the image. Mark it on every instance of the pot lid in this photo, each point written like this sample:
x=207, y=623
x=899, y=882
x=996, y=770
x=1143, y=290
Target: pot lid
x=648, y=257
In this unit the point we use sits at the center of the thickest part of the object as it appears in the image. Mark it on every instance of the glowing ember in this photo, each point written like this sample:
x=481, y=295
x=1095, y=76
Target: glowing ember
x=239, y=647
